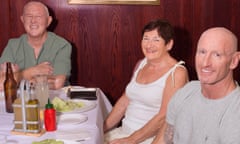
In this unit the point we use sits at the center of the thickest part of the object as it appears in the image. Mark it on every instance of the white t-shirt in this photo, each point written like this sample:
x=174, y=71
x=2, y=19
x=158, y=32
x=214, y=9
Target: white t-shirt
x=198, y=120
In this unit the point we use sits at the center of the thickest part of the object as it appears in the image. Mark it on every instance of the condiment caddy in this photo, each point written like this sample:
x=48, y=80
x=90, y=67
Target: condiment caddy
x=26, y=112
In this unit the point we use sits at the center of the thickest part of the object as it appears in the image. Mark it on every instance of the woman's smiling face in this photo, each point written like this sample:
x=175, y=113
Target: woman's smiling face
x=153, y=45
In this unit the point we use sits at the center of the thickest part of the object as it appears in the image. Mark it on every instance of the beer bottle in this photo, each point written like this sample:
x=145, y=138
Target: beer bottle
x=10, y=88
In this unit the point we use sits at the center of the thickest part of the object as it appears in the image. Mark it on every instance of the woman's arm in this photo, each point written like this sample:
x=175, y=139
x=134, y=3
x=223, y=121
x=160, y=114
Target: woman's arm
x=116, y=114
x=118, y=110
x=159, y=139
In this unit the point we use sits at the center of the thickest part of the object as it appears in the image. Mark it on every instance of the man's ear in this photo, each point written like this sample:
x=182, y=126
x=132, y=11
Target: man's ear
x=21, y=18
x=49, y=20
x=235, y=60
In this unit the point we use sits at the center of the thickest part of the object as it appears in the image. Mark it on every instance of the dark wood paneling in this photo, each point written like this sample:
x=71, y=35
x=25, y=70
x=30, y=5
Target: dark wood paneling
x=106, y=38
x=4, y=24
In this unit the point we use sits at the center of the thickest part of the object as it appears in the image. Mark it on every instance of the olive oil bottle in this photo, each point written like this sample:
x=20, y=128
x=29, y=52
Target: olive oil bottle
x=32, y=116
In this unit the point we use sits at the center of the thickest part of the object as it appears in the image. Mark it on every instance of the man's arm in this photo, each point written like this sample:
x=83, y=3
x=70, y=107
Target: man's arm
x=168, y=134
x=44, y=68
x=57, y=81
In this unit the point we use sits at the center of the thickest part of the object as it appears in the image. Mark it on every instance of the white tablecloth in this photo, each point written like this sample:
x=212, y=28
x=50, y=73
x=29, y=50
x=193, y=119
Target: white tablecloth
x=90, y=130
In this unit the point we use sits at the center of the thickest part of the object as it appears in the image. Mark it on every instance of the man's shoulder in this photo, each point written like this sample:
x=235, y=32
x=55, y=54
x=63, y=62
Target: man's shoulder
x=188, y=90
x=191, y=86
x=57, y=38
x=14, y=43
x=17, y=40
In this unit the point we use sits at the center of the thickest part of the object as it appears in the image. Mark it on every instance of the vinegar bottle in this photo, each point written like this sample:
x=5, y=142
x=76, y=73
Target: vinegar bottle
x=10, y=88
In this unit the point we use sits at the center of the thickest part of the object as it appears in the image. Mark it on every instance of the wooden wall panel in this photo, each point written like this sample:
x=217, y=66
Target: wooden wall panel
x=106, y=38
x=4, y=24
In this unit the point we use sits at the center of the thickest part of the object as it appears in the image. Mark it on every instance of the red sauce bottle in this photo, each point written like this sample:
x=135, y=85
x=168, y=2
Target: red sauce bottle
x=49, y=117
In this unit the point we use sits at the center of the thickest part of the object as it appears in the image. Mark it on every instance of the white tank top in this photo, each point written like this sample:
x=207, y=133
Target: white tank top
x=144, y=99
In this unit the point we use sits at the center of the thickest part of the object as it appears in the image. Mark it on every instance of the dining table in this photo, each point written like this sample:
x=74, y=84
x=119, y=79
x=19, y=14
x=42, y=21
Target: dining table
x=85, y=128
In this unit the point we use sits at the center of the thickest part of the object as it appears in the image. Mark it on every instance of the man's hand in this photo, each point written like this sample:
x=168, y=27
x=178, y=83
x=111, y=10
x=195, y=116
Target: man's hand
x=44, y=68
x=56, y=82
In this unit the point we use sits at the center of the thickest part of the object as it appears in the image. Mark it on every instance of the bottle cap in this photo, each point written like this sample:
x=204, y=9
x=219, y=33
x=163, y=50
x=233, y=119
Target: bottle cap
x=49, y=105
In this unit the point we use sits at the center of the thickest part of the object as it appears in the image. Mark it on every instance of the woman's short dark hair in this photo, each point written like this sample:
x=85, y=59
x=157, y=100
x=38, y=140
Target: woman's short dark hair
x=164, y=28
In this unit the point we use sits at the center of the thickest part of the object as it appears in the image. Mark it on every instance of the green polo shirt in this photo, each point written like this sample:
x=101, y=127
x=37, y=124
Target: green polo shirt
x=55, y=50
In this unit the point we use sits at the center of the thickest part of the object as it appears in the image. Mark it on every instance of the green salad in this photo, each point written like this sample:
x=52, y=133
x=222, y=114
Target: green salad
x=66, y=106
x=48, y=141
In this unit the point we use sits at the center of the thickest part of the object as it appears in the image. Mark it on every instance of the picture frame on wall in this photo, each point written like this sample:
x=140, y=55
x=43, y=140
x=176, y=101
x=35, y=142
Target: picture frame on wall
x=125, y=2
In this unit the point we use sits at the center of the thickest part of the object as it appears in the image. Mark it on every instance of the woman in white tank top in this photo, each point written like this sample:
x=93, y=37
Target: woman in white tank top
x=142, y=107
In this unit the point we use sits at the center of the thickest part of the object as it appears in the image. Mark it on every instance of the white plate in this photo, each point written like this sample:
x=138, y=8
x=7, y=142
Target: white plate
x=88, y=105
x=71, y=119
x=71, y=136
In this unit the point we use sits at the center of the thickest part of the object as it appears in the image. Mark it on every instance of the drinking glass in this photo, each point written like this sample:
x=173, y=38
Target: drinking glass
x=42, y=90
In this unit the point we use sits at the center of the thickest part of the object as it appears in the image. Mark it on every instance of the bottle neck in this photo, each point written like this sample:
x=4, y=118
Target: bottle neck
x=32, y=93
x=9, y=72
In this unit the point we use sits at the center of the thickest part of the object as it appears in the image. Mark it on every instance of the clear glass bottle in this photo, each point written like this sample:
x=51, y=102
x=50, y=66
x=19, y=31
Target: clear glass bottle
x=10, y=88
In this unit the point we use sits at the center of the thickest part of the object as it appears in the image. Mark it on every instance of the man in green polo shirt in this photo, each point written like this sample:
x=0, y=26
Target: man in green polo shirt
x=39, y=52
